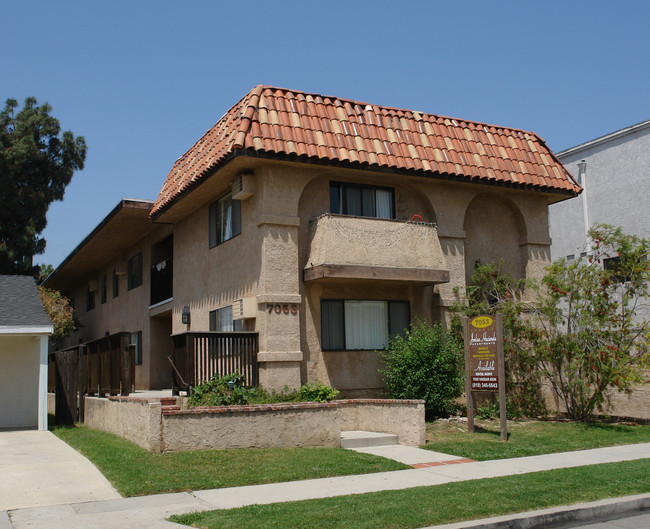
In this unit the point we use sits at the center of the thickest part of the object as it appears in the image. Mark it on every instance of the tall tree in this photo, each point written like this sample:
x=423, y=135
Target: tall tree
x=37, y=162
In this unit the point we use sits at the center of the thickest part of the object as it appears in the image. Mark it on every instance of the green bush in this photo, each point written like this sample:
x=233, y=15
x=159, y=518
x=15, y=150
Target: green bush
x=317, y=392
x=426, y=364
x=222, y=391
x=229, y=389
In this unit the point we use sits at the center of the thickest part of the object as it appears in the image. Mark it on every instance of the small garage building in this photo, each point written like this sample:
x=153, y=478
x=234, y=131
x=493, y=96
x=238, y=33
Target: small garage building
x=24, y=332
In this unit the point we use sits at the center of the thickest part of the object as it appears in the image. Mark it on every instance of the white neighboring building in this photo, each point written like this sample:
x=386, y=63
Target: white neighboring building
x=24, y=332
x=614, y=171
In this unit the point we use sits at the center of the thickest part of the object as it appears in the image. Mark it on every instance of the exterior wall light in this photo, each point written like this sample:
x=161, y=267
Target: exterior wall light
x=185, y=315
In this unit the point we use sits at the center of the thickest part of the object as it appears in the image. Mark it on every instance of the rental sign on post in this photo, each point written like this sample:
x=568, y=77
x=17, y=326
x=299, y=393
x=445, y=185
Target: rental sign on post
x=484, y=369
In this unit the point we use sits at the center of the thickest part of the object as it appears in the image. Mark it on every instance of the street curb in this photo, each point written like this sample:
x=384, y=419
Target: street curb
x=559, y=517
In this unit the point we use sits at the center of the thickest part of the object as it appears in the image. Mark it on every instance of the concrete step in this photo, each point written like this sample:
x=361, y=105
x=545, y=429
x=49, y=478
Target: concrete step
x=361, y=439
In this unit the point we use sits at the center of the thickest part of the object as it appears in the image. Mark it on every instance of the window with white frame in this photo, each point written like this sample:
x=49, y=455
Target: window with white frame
x=221, y=320
x=225, y=220
x=362, y=201
x=362, y=324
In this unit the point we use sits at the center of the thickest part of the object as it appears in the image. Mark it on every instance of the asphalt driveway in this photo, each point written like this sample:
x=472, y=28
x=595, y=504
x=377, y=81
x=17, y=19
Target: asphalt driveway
x=37, y=468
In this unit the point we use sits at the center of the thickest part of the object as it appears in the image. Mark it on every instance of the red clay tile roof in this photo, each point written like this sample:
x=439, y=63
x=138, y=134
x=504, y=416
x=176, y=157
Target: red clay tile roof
x=297, y=125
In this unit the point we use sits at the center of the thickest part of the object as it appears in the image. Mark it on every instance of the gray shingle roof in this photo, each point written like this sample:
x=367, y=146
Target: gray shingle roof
x=20, y=304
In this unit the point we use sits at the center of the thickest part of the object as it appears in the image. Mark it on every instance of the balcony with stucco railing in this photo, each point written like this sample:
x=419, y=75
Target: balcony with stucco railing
x=346, y=247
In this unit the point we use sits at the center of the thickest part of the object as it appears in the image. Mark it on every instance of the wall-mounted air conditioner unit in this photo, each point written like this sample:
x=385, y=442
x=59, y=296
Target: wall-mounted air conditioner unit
x=244, y=308
x=243, y=186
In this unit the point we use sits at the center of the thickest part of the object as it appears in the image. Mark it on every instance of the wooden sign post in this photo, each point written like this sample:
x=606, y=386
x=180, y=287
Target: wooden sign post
x=484, y=366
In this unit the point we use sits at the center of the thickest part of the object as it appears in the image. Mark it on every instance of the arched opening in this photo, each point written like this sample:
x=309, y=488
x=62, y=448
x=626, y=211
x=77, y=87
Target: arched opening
x=493, y=229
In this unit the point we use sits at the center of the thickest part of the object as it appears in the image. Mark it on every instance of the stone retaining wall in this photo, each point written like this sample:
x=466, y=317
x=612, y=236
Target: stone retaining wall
x=169, y=428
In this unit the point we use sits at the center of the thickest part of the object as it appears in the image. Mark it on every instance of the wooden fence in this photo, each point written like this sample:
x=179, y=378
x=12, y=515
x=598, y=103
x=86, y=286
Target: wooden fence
x=100, y=367
x=200, y=355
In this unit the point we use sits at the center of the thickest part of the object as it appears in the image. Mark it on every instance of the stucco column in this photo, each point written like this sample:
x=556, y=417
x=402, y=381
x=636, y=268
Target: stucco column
x=279, y=304
x=42, y=384
x=535, y=256
x=453, y=247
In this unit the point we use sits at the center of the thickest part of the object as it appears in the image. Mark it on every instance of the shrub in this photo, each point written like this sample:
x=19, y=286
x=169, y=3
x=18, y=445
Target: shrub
x=229, y=390
x=317, y=392
x=493, y=291
x=426, y=364
x=589, y=339
x=220, y=391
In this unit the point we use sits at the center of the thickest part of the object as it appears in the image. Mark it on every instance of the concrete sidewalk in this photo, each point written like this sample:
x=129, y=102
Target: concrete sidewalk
x=37, y=469
x=149, y=512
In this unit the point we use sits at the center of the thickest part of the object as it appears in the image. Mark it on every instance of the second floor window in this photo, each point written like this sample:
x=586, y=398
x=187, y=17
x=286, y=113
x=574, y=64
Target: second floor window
x=362, y=201
x=225, y=220
x=102, y=290
x=134, y=271
x=90, y=299
x=116, y=283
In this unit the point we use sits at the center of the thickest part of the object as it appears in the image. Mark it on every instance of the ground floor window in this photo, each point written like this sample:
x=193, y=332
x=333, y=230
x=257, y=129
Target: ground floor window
x=362, y=324
x=221, y=320
x=135, y=338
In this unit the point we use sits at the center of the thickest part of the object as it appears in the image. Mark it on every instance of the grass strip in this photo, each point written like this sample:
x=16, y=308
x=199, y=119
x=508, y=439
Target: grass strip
x=452, y=502
x=529, y=438
x=134, y=471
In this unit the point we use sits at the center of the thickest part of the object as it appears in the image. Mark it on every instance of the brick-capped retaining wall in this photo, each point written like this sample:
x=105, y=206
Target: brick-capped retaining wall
x=164, y=427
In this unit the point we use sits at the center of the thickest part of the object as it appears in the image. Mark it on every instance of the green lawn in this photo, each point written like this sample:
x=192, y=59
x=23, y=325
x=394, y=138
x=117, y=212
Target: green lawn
x=529, y=438
x=134, y=471
x=447, y=503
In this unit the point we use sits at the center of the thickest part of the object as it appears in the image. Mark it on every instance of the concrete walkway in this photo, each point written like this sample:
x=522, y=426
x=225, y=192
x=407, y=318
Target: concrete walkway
x=37, y=469
x=149, y=512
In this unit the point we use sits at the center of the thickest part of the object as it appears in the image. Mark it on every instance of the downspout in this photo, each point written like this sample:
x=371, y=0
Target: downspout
x=582, y=180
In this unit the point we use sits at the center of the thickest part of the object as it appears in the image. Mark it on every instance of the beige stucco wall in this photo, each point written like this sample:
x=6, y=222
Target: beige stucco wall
x=282, y=426
x=404, y=418
x=19, y=373
x=158, y=429
x=137, y=421
x=634, y=406
x=343, y=240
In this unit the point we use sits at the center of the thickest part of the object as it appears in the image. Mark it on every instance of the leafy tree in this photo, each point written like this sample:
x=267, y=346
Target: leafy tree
x=589, y=338
x=426, y=364
x=37, y=162
x=493, y=291
x=60, y=311
x=44, y=271
x=582, y=332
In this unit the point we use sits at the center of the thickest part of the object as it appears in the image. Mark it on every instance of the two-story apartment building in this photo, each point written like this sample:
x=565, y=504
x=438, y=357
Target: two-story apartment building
x=323, y=225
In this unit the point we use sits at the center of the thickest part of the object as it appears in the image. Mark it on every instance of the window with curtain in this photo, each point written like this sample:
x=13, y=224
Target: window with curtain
x=221, y=320
x=225, y=220
x=362, y=324
x=362, y=201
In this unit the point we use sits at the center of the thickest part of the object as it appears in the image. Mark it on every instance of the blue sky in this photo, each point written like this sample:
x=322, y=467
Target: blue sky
x=143, y=80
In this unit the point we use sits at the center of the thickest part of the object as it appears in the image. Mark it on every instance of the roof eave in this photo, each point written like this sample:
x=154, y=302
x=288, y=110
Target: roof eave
x=155, y=217
x=125, y=203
